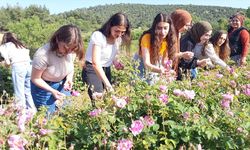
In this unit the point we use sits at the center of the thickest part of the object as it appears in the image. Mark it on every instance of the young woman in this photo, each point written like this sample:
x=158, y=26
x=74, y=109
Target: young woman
x=102, y=49
x=221, y=44
x=238, y=39
x=156, y=45
x=53, y=67
x=201, y=33
x=16, y=55
x=182, y=22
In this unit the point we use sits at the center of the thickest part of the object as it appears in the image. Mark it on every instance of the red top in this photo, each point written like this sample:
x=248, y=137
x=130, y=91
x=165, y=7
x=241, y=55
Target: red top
x=244, y=36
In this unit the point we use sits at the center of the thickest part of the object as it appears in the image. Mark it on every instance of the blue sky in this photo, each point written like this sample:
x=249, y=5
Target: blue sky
x=57, y=6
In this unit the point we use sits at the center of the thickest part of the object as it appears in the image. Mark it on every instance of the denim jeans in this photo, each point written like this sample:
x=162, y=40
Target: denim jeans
x=150, y=77
x=42, y=97
x=21, y=73
x=194, y=73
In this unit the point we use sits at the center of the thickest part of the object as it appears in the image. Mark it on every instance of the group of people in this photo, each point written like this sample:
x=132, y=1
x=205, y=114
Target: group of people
x=51, y=78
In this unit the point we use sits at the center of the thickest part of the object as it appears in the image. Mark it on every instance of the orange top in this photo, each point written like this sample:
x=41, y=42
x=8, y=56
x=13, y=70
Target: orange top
x=145, y=43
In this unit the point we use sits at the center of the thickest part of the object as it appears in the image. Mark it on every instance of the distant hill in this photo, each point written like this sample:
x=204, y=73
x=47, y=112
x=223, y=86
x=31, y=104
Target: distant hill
x=141, y=15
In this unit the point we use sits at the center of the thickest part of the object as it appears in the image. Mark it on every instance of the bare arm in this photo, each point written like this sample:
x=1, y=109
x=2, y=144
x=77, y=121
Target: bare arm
x=147, y=63
x=97, y=66
x=36, y=78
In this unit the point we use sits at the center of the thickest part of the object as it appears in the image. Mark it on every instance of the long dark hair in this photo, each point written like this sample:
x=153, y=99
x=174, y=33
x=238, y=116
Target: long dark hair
x=118, y=19
x=10, y=37
x=68, y=34
x=154, y=41
x=224, y=50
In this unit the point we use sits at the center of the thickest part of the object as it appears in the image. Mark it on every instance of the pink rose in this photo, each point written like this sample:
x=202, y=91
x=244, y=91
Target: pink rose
x=149, y=121
x=136, y=127
x=163, y=98
x=124, y=144
x=75, y=93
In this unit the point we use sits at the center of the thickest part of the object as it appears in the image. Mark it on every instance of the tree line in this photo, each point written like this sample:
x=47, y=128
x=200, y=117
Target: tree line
x=34, y=24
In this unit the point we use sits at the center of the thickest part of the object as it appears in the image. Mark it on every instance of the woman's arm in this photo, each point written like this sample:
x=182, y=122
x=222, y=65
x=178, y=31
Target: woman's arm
x=36, y=78
x=147, y=63
x=245, y=46
x=69, y=81
x=210, y=52
x=96, y=51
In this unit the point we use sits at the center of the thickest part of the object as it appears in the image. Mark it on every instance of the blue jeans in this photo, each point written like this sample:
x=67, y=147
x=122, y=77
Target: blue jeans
x=42, y=97
x=194, y=73
x=21, y=73
x=150, y=77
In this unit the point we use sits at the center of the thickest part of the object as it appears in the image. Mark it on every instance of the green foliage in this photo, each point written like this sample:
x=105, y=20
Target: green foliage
x=33, y=31
x=5, y=81
x=248, y=12
x=183, y=121
x=34, y=24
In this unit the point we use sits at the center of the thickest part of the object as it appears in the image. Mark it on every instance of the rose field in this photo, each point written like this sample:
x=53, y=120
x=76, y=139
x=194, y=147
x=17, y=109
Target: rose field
x=210, y=112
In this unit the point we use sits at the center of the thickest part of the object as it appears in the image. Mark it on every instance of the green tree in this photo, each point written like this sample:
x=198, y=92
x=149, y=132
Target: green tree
x=34, y=10
x=248, y=12
x=33, y=32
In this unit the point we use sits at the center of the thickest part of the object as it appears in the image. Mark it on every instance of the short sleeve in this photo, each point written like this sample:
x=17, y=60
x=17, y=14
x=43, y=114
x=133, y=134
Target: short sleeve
x=39, y=62
x=98, y=38
x=145, y=41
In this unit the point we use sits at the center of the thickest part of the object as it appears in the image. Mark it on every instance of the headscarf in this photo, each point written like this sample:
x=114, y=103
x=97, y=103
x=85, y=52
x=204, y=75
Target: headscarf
x=198, y=29
x=240, y=17
x=180, y=17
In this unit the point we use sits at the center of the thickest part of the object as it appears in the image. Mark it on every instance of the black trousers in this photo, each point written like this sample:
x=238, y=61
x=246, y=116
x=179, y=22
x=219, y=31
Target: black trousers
x=90, y=77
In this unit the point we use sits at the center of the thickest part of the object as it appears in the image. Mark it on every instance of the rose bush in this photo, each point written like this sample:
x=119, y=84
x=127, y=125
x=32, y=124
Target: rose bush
x=210, y=112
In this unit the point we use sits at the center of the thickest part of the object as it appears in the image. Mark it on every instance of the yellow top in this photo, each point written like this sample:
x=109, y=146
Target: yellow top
x=145, y=42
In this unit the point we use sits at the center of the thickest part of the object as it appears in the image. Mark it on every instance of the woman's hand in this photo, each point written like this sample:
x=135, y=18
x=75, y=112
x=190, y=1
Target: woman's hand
x=187, y=55
x=68, y=85
x=243, y=61
x=202, y=63
x=58, y=95
x=109, y=88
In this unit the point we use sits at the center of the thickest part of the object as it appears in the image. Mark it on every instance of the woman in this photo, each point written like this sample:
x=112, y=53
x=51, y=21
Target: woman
x=53, y=67
x=238, y=39
x=221, y=44
x=15, y=54
x=201, y=33
x=156, y=46
x=102, y=49
x=182, y=22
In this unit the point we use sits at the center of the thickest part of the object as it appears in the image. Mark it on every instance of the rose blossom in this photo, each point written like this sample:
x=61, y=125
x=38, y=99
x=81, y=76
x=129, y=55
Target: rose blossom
x=75, y=93
x=124, y=144
x=16, y=142
x=225, y=103
x=189, y=94
x=120, y=102
x=163, y=98
x=95, y=112
x=149, y=121
x=136, y=127
x=163, y=88
x=177, y=92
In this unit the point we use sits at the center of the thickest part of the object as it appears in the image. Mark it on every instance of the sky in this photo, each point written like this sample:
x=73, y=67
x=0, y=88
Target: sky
x=59, y=6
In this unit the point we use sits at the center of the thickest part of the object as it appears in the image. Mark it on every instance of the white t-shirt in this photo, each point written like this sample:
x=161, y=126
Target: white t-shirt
x=55, y=68
x=12, y=54
x=107, y=51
